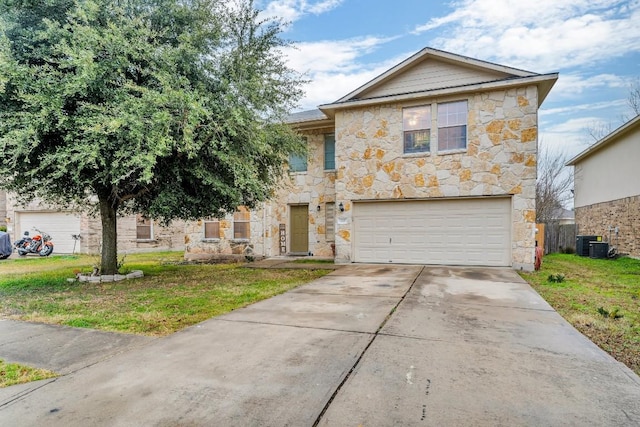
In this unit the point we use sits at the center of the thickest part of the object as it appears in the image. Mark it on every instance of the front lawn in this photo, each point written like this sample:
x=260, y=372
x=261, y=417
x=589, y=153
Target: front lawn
x=599, y=297
x=171, y=296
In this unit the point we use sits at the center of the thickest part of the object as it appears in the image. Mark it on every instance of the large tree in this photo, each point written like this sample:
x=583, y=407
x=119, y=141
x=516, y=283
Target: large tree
x=167, y=108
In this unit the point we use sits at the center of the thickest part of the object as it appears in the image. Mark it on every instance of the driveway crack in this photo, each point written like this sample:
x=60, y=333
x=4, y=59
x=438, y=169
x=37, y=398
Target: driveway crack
x=357, y=362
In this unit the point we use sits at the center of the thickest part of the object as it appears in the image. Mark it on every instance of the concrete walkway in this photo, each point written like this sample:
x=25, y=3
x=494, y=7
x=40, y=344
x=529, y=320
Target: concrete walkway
x=364, y=345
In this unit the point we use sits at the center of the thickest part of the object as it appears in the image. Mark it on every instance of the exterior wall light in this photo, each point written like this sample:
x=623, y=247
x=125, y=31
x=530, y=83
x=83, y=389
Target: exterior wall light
x=318, y=208
x=341, y=207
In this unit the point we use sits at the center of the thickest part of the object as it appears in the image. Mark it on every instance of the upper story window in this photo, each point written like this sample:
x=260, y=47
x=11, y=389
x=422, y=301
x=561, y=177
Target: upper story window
x=452, y=126
x=329, y=152
x=298, y=162
x=416, y=122
x=241, y=223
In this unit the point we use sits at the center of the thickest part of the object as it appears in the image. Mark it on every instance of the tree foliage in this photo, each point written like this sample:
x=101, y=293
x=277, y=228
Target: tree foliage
x=168, y=108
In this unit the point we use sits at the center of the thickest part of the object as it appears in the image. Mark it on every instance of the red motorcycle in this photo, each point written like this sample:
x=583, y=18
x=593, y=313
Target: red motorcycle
x=40, y=244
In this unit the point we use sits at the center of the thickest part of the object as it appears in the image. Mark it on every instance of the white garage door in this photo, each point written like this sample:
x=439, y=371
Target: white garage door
x=454, y=232
x=59, y=225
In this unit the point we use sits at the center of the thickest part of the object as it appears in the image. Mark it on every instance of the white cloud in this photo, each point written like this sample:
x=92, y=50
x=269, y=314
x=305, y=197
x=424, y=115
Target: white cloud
x=292, y=10
x=542, y=35
x=570, y=85
x=569, y=109
x=336, y=67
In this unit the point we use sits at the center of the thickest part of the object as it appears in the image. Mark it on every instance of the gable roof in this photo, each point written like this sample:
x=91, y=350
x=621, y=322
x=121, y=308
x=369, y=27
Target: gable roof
x=475, y=75
x=623, y=130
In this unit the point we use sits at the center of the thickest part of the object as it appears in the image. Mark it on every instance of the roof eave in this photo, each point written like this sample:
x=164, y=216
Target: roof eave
x=312, y=124
x=613, y=136
x=544, y=82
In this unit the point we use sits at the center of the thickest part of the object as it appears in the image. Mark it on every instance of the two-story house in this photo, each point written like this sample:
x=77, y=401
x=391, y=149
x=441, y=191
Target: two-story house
x=607, y=188
x=432, y=162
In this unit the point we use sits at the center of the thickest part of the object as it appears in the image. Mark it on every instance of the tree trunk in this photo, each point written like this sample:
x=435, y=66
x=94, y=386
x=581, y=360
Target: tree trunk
x=109, y=262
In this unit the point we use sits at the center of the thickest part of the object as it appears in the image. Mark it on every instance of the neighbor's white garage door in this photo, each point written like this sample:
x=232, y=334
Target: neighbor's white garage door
x=59, y=225
x=455, y=232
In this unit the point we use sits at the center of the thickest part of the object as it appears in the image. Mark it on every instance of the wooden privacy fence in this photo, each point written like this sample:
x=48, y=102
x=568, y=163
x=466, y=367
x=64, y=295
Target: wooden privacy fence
x=559, y=237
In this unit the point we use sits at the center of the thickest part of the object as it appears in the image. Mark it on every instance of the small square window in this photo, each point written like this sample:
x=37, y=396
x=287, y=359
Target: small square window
x=452, y=126
x=297, y=163
x=212, y=229
x=416, y=122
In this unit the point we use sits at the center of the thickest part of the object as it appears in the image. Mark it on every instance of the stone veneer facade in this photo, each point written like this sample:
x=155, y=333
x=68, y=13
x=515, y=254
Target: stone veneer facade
x=165, y=238
x=500, y=160
x=623, y=213
x=313, y=188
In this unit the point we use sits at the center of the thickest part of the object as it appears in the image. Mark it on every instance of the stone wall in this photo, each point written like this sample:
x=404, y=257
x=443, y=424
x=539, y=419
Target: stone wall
x=314, y=188
x=500, y=159
x=168, y=238
x=197, y=247
x=623, y=213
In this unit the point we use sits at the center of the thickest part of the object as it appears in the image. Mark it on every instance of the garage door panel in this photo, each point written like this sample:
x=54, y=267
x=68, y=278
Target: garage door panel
x=59, y=225
x=463, y=232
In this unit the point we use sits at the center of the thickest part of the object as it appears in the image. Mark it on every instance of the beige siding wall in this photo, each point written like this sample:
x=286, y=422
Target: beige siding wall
x=432, y=74
x=609, y=173
x=500, y=160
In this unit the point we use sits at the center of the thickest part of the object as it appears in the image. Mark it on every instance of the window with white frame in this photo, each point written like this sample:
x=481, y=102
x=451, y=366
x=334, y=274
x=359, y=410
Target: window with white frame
x=144, y=228
x=211, y=229
x=452, y=126
x=329, y=221
x=416, y=123
x=242, y=223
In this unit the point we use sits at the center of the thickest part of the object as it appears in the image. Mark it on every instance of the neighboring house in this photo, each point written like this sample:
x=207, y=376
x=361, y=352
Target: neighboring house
x=135, y=234
x=563, y=216
x=607, y=188
x=432, y=162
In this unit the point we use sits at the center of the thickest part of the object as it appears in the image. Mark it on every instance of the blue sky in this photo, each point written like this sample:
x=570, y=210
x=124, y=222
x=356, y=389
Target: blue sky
x=593, y=44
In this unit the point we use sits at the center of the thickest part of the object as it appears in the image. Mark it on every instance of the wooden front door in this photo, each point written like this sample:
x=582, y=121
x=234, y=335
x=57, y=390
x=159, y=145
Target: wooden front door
x=299, y=229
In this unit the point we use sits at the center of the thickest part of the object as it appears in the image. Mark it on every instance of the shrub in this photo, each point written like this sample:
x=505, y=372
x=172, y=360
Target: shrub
x=555, y=278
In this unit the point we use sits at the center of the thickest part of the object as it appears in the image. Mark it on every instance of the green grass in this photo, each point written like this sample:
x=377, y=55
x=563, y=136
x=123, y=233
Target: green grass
x=14, y=373
x=171, y=296
x=599, y=297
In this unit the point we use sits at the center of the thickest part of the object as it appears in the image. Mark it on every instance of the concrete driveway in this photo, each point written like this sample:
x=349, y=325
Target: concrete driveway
x=365, y=345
